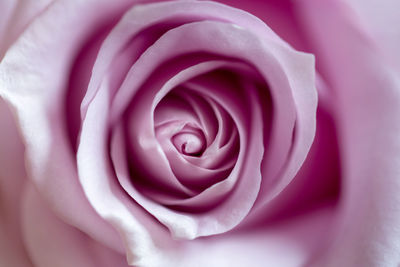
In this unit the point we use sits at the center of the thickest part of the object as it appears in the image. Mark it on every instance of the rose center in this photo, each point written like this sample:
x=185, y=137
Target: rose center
x=189, y=143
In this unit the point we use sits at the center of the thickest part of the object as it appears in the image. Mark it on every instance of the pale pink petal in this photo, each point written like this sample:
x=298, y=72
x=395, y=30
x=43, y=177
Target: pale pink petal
x=32, y=79
x=279, y=15
x=15, y=15
x=143, y=236
x=290, y=243
x=380, y=21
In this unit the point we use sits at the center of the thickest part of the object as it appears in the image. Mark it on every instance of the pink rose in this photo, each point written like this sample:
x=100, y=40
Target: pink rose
x=192, y=133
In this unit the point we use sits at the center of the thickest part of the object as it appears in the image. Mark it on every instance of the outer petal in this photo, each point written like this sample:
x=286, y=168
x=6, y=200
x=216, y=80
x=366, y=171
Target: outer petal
x=277, y=14
x=51, y=242
x=14, y=17
x=381, y=20
x=367, y=114
x=12, y=180
x=283, y=244
x=32, y=79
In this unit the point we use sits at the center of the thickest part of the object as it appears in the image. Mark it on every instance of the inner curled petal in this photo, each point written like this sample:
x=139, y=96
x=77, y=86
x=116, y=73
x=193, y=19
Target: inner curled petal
x=189, y=143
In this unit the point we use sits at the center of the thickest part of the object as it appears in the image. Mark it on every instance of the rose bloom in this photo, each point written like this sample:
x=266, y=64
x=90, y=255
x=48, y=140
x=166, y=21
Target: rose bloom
x=199, y=133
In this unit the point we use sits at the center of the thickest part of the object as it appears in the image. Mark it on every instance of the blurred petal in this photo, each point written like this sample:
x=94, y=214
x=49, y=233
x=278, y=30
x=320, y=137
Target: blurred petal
x=12, y=181
x=380, y=19
x=284, y=244
x=366, y=100
x=51, y=242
